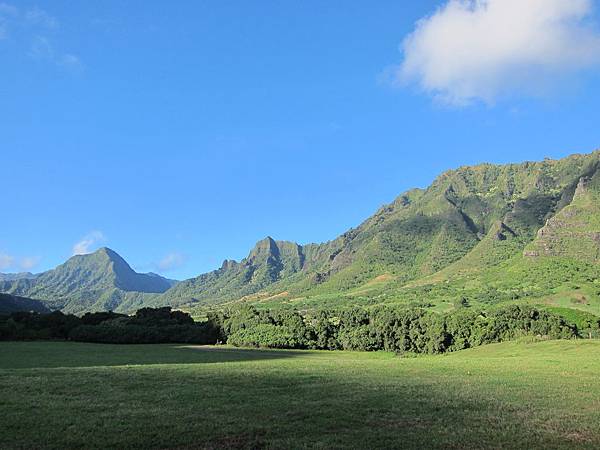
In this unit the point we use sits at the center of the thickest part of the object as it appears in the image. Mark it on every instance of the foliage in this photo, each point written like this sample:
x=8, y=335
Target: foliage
x=390, y=329
x=31, y=326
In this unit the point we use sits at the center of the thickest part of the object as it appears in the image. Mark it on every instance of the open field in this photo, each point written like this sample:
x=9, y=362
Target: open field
x=518, y=395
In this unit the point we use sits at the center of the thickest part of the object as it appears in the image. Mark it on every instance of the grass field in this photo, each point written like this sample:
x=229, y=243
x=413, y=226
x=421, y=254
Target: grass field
x=511, y=395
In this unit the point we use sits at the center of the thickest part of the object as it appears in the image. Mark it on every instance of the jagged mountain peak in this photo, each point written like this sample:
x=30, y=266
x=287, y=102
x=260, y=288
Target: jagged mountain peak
x=266, y=246
x=269, y=247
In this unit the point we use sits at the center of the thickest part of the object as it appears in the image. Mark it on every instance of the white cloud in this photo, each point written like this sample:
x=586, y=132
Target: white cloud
x=86, y=244
x=171, y=261
x=484, y=49
x=6, y=261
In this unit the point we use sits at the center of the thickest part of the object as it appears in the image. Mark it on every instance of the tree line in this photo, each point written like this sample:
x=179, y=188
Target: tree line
x=146, y=326
x=388, y=328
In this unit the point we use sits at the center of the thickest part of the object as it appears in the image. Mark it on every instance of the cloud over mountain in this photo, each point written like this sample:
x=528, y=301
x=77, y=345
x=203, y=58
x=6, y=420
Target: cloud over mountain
x=483, y=49
x=86, y=244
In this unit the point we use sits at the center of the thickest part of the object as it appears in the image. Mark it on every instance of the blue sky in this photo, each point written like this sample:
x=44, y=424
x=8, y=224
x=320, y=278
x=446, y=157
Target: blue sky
x=180, y=133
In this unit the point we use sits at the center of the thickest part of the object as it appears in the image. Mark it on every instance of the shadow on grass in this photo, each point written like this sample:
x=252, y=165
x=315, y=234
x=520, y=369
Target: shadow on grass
x=318, y=405
x=44, y=354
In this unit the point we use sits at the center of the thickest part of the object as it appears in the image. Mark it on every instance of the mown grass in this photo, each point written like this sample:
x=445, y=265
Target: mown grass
x=512, y=395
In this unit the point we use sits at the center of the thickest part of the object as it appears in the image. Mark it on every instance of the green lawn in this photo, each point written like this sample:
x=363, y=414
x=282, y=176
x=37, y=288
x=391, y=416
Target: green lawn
x=72, y=395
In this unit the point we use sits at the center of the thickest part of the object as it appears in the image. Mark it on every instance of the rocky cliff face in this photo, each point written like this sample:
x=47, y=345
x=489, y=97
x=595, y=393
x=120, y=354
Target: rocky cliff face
x=574, y=232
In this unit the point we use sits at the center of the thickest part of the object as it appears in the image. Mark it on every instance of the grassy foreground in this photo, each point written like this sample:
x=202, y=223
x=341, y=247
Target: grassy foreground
x=511, y=395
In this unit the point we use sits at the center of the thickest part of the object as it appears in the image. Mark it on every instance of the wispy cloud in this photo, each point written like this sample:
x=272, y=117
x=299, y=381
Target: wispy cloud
x=37, y=16
x=9, y=262
x=6, y=261
x=7, y=12
x=86, y=244
x=472, y=50
x=71, y=62
x=42, y=49
x=172, y=261
x=36, y=29
x=29, y=262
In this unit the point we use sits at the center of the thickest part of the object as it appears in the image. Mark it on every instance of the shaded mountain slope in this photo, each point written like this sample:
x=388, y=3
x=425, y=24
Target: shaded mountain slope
x=12, y=303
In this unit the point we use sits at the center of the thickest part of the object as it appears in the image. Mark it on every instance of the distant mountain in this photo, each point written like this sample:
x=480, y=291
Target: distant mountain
x=16, y=276
x=488, y=233
x=98, y=281
x=11, y=303
x=171, y=282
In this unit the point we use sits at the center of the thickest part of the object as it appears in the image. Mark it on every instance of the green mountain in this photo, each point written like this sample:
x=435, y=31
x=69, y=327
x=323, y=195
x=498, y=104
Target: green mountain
x=478, y=234
x=11, y=303
x=468, y=220
x=98, y=281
